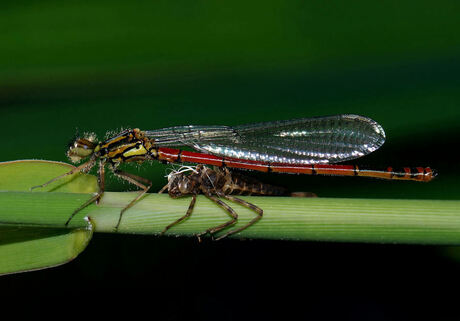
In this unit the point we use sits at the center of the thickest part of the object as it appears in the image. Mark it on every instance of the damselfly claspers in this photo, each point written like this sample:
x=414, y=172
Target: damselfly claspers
x=303, y=146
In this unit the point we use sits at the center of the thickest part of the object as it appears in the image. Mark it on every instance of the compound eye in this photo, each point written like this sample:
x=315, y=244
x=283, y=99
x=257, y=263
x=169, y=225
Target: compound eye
x=184, y=187
x=81, y=148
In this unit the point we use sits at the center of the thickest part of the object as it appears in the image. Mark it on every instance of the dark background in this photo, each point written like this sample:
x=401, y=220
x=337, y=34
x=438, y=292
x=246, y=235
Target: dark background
x=104, y=65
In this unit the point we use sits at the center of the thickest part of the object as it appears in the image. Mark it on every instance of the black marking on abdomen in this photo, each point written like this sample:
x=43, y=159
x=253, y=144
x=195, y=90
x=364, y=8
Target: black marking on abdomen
x=399, y=173
x=355, y=170
x=269, y=168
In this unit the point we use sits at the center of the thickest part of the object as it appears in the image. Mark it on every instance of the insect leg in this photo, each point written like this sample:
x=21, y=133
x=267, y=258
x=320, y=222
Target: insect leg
x=97, y=196
x=220, y=227
x=133, y=179
x=187, y=214
x=101, y=180
x=163, y=189
x=85, y=167
x=253, y=207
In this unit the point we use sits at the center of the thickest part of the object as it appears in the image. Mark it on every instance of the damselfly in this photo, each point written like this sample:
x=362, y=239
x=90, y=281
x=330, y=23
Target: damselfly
x=303, y=146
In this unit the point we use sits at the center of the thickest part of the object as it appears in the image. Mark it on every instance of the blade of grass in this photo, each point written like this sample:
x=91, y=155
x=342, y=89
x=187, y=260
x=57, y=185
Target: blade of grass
x=26, y=241
x=319, y=219
x=355, y=220
x=30, y=248
x=21, y=175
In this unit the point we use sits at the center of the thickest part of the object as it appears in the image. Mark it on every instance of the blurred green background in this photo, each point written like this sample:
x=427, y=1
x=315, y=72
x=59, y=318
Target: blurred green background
x=103, y=65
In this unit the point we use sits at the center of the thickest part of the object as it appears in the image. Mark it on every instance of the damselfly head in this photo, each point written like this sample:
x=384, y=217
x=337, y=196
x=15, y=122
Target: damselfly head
x=81, y=148
x=180, y=184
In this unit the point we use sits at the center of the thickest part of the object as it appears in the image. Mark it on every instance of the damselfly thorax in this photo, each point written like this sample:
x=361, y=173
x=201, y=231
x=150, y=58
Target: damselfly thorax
x=309, y=146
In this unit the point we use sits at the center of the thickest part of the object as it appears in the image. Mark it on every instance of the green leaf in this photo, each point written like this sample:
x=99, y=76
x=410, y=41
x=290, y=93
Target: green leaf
x=31, y=248
x=21, y=175
x=28, y=240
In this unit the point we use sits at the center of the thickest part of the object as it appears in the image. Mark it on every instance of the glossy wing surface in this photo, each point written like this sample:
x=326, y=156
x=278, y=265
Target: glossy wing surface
x=320, y=140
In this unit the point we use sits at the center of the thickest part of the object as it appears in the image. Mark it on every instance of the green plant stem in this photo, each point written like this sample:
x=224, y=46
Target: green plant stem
x=320, y=219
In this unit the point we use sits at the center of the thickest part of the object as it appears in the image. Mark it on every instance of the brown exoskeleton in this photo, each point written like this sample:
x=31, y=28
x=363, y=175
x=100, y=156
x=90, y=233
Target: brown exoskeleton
x=214, y=184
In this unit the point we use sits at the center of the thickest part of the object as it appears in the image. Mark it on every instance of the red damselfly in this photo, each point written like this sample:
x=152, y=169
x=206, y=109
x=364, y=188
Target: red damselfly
x=310, y=146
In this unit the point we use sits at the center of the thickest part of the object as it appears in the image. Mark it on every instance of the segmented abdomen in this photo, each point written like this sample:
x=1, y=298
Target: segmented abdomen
x=237, y=184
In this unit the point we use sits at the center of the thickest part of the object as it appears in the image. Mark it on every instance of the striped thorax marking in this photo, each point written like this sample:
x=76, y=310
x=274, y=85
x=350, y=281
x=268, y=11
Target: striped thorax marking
x=137, y=150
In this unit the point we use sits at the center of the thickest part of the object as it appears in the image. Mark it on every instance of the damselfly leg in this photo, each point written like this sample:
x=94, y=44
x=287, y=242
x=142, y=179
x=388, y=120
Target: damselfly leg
x=251, y=206
x=95, y=198
x=218, y=228
x=141, y=182
x=186, y=216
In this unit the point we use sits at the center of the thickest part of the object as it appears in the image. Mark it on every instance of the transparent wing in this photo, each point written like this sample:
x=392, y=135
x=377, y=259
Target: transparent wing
x=192, y=135
x=320, y=140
